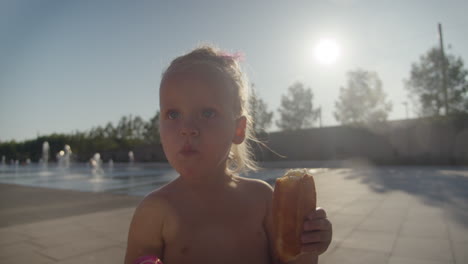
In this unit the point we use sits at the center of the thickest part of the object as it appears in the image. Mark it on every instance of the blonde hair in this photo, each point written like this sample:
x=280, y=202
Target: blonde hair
x=226, y=66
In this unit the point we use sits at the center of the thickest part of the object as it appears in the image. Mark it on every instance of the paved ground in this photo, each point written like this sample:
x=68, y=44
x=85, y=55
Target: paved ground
x=406, y=215
x=23, y=204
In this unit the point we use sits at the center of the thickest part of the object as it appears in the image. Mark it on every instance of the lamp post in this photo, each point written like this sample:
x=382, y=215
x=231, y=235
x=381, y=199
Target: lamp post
x=443, y=69
x=406, y=109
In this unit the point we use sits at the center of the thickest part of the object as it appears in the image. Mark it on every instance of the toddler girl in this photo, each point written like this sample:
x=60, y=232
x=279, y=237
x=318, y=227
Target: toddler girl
x=209, y=214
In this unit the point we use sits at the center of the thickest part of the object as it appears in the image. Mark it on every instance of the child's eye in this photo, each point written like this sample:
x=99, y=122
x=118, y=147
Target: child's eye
x=173, y=114
x=208, y=113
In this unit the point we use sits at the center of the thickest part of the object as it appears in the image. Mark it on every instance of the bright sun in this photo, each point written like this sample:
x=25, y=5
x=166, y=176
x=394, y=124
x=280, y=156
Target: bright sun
x=327, y=51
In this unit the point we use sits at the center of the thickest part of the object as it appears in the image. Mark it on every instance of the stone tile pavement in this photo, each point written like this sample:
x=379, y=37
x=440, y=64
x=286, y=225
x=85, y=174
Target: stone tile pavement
x=90, y=238
x=380, y=215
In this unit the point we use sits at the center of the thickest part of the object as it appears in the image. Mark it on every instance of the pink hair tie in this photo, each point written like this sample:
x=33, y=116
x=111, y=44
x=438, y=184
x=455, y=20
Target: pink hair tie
x=238, y=56
x=148, y=260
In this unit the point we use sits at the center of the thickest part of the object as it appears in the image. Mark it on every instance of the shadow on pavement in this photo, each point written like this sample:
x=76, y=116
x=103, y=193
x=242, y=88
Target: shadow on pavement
x=443, y=187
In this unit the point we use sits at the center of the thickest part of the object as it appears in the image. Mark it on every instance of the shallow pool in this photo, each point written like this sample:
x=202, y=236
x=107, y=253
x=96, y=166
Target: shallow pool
x=132, y=179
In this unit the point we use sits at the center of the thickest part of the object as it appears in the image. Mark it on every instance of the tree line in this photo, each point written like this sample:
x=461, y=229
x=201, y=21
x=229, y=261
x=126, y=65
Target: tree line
x=129, y=132
x=361, y=101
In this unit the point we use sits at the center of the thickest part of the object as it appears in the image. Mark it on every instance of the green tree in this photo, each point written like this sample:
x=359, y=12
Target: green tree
x=362, y=101
x=296, y=110
x=122, y=129
x=130, y=128
x=151, y=133
x=425, y=83
x=96, y=132
x=137, y=127
x=109, y=130
x=259, y=110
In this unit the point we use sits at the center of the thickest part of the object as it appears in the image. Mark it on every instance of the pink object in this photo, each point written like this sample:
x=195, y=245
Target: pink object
x=148, y=260
x=239, y=56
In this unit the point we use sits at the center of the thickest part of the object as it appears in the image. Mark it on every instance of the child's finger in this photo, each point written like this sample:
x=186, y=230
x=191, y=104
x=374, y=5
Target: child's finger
x=317, y=214
x=315, y=237
x=316, y=242
x=317, y=248
x=318, y=224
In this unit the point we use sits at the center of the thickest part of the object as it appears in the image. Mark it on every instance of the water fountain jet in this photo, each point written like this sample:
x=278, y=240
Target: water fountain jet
x=45, y=153
x=131, y=157
x=96, y=165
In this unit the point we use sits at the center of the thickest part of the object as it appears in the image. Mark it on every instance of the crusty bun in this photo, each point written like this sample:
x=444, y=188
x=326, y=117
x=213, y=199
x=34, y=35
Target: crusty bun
x=293, y=198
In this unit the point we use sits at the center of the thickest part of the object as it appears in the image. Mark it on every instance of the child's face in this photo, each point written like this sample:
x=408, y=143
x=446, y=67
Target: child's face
x=198, y=125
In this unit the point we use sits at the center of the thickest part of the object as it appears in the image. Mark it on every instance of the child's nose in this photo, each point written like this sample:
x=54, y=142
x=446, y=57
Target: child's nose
x=190, y=129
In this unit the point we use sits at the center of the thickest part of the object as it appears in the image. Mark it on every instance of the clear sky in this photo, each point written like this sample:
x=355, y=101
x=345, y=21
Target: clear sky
x=71, y=65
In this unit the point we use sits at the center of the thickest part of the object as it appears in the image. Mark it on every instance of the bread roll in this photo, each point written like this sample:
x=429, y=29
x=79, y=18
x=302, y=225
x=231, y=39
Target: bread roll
x=293, y=198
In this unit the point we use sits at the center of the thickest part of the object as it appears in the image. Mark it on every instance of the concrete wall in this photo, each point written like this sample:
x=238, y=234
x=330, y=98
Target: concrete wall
x=416, y=141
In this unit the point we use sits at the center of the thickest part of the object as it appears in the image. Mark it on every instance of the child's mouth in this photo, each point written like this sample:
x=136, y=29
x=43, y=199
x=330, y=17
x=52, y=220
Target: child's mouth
x=188, y=150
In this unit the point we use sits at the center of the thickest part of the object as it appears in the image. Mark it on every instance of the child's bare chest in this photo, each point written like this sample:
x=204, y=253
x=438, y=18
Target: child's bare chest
x=215, y=228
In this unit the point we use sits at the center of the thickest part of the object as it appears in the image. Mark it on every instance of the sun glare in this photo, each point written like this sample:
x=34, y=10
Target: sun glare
x=327, y=51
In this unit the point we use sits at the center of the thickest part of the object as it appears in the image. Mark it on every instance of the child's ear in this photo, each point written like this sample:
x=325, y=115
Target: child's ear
x=241, y=125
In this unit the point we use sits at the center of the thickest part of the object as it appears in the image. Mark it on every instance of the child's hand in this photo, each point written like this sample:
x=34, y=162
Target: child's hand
x=317, y=232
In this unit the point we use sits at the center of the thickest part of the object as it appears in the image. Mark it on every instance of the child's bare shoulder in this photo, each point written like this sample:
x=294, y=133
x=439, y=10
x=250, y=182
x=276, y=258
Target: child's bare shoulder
x=256, y=186
x=146, y=236
x=155, y=202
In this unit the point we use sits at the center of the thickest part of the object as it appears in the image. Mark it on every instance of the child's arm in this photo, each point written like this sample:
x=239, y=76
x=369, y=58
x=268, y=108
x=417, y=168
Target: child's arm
x=145, y=233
